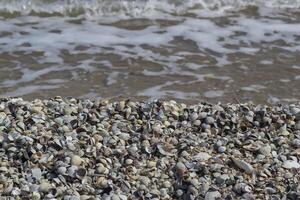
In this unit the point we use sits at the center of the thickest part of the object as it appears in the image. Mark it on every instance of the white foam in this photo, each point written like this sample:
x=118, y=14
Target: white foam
x=137, y=7
x=213, y=93
x=253, y=88
x=158, y=92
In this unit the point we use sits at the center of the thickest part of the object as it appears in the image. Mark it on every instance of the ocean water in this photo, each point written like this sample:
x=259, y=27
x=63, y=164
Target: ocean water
x=187, y=50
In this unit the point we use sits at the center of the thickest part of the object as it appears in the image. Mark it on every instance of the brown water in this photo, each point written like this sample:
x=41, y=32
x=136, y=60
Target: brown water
x=230, y=52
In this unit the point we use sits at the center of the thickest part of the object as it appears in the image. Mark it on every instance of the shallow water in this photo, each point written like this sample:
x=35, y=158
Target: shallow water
x=191, y=50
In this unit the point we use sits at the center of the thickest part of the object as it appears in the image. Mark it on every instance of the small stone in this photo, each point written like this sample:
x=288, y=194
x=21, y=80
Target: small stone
x=102, y=170
x=128, y=161
x=296, y=143
x=35, y=196
x=3, y=169
x=213, y=195
x=144, y=180
x=85, y=197
x=180, y=168
x=283, y=131
x=123, y=197
x=167, y=184
x=194, y=116
x=297, y=126
x=16, y=192
x=221, y=179
x=295, y=110
x=179, y=193
x=61, y=170
x=163, y=192
x=288, y=175
x=202, y=156
x=265, y=150
x=270, y=190
x=241, y=188
x=151, y=164
x=197, y=122
x=36, y=173
x=210, y=120
x=124, y=136
x=76, y=160
x=289, y=164
x=221, y=149
x=45, y=186
x=243, y=165
x=115, y=197
x=203, y=134
x=202, y=115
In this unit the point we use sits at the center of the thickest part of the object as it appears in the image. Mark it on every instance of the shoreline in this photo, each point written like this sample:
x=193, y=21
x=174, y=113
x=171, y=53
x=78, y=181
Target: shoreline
x=66, y=148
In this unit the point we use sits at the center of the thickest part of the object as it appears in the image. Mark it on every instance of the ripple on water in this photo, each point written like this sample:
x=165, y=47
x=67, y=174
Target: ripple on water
x=182, y=56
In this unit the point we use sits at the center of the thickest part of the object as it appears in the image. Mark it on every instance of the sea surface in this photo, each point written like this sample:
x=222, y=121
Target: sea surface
x=187, y=50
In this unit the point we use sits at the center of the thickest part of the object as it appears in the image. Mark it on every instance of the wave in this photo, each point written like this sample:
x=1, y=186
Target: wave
x=134, y=8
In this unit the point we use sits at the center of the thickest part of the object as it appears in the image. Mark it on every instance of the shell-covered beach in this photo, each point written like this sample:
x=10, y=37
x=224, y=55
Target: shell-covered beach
x=67, y=148
x=150, y=99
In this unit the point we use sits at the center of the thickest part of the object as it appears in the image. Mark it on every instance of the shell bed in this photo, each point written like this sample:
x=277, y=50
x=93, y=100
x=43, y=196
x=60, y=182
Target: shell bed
x=67, y=148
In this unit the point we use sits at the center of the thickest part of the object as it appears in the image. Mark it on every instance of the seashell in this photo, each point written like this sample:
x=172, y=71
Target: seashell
x=241, y=188
x=289, y=164
x=76, y=160
x=251, y=147
x=243, y=165
x=202, y=156
x=8, y=187
x=45, y=187
x=102, y=170
x=61, y=170
x=212, y=195
x=101, y=182
x=80, y=173
x=180, y=168
x=21, y=126
x=36, y=196
x=2, y=118
x=163, y=151
x=72, y=170
x=36, y=173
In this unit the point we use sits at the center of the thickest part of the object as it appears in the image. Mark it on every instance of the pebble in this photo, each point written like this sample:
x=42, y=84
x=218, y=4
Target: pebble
x=76, y=160
x=180, y=168
x=202, y=156
x=102, y=170
x=221, y=149
x=151, y=164
x=45, y=186
x=202, y=115
x=129, y=161
x=197, y=122
x=297, y=126
x=243, y=165
x=215, y=195
x=296, y=142
x=194, y=116
x=288, y=175
x=289, y=164
x=265, y=150
x=179, y=193
x=36, y=173
x=210, y=120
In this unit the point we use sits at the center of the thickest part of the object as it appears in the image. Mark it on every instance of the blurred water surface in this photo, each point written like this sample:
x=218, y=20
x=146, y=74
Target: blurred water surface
x=189, y=50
